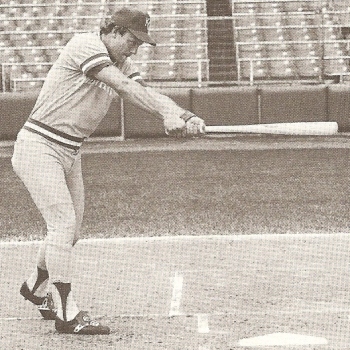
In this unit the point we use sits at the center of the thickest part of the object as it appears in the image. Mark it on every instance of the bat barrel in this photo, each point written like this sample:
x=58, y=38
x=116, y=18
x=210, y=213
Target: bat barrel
x=298, y=128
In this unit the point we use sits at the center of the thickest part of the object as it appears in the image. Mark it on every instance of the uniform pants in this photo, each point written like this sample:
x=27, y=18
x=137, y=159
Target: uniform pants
x=53, y=176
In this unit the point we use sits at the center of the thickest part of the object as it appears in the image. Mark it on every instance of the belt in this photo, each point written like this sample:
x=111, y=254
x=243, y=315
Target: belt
x=53, y=135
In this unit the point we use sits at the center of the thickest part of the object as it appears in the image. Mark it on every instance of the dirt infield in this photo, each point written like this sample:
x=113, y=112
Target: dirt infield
x=231, y=288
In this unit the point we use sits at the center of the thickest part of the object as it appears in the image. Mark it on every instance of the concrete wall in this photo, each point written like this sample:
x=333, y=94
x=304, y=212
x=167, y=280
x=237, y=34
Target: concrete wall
x=15, y=108
x=217, y=106
x=226, y=105
x=339, y=106
x=293, y=104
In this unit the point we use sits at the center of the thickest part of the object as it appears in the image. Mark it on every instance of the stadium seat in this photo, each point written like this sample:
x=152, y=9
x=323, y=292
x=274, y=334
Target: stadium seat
x=191, y=34
x=25, y=83
x=165, y=36
x=244, y=7
x=307, y=68
x=190, y=71
x=32, y=2
x=192, y=51
x=163, y=52
x=281, y=69
x=245, y=21
x=258, y=72
x=90, y=23
x=34, y=55
x=48, y=38
x=17, y=71
x=245, y=34
x=52, y=54
x=38, y=70
x=22, y=39
x=335, y=66
x=35, y=11
x=8, y=25
x=343, y=12
x=192, y=9
x=50, y=23
x=274, y=34
x=161, y=8
x=162, y=71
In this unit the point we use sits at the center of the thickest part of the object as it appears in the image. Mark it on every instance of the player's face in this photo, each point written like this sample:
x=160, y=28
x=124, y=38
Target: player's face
x=123, y=46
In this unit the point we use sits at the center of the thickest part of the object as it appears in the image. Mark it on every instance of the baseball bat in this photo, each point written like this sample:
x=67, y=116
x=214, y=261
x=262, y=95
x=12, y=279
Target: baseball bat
x=297, y=128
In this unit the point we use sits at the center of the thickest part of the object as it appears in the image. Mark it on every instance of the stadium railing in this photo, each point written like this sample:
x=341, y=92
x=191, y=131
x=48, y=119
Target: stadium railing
x=254, y=74
x=23, y=82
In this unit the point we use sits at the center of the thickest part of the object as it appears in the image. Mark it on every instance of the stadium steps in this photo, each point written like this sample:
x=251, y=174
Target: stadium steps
x=221, y=49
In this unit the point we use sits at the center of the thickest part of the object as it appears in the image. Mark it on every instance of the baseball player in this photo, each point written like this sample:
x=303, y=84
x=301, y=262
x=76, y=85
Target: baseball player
x=91, y=70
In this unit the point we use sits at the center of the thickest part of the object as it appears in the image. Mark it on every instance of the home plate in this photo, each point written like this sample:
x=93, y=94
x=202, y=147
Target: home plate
x=278, y=339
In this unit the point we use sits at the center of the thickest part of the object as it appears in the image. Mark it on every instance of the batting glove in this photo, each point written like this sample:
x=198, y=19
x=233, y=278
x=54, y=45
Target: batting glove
x=174, y=126
x=194, y=126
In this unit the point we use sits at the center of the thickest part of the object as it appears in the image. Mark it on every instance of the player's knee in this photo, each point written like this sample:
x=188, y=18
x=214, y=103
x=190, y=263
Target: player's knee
x=61, y=225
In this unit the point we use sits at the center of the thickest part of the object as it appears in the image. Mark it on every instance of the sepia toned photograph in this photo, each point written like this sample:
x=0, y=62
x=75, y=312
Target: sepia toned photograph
x=175, y=174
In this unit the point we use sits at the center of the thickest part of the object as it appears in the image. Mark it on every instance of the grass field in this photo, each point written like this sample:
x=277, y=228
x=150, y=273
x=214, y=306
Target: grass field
x=248, y=238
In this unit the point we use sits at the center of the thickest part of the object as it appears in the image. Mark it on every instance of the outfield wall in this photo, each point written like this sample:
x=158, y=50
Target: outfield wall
x=216, y=105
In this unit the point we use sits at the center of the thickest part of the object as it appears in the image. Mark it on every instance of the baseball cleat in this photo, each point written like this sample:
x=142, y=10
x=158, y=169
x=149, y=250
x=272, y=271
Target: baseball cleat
x=28, y=295
x=81, y=324
x=47, y=308
x=45, y=304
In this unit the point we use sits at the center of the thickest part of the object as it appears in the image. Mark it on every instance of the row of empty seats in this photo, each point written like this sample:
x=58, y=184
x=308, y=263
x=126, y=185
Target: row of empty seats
x=32, y=36
x=280, y=39
x=273, y=39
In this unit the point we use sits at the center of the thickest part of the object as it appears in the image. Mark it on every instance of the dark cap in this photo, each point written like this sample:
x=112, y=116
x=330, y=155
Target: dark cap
x=137, y=22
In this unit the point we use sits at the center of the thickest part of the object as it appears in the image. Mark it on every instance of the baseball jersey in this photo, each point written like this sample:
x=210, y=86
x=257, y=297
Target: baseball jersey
x=71, y=104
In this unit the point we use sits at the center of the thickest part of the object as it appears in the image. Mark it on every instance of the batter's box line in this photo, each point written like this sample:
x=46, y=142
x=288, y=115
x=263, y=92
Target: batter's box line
x=186, y=238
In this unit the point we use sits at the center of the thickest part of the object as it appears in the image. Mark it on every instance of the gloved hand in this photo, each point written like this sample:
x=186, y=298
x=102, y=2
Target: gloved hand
x=194, y=126
x=174, y=126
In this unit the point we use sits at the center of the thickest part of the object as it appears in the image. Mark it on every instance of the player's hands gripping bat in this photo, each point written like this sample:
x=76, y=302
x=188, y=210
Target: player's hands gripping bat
x=187, y=125
x=194, y=126
x=174, y=126
x=177, y=121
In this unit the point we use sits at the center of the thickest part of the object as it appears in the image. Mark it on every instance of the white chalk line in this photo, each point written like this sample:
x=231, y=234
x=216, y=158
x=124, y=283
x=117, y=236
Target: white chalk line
x=176, y=295
x=203, y=323
x=229, y=237
x=201, y=317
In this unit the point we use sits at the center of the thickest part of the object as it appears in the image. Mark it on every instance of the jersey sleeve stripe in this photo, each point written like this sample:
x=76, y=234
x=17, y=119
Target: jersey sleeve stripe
x=95, y=61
